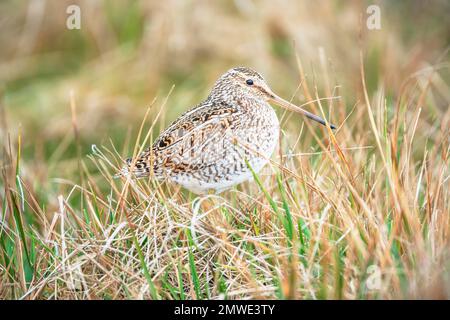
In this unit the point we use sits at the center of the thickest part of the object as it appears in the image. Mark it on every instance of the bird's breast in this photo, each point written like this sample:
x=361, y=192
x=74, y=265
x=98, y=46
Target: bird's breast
x=259, y=130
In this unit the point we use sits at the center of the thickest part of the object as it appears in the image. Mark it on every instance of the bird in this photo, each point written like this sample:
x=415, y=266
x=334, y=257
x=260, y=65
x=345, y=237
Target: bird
x=222, y=141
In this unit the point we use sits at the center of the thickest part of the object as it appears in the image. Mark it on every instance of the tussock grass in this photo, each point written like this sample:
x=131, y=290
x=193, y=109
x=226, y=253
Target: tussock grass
x=315, y=225
x=358, y=213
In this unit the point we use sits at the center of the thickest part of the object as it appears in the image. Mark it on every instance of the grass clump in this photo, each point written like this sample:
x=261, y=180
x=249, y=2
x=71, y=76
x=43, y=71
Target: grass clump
x=357, y=213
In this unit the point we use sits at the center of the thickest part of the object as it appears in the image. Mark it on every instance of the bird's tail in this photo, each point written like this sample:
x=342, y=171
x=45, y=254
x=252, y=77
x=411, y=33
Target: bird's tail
x=137, y=168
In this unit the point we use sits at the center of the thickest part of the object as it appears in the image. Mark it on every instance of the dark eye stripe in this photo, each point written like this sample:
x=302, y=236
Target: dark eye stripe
x=249, y=82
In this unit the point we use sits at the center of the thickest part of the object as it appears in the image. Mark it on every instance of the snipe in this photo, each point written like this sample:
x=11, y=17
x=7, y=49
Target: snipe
x=211, y=146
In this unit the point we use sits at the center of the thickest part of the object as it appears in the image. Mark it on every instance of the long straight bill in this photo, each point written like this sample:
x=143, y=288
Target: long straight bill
x=286, y=104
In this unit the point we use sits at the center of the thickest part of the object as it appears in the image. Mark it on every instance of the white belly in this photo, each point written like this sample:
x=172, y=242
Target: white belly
x=201, y=187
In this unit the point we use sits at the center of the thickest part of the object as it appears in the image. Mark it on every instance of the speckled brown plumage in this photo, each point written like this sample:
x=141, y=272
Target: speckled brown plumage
x=212, y=145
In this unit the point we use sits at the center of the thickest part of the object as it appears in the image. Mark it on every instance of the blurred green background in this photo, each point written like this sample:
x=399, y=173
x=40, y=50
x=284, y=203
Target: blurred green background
x=381, y=202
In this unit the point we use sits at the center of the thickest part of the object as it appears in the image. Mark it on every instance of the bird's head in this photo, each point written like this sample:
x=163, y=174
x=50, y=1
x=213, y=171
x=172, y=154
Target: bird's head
x=241, y=81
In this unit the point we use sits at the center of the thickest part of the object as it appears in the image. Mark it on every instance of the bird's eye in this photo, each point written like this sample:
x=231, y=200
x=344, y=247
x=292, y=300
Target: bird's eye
x=249, y=82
